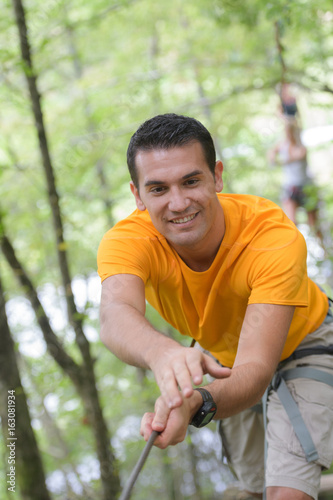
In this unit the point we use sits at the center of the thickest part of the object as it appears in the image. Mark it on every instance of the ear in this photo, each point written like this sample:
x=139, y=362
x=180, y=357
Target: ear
x=218, y=176
x=136, y=195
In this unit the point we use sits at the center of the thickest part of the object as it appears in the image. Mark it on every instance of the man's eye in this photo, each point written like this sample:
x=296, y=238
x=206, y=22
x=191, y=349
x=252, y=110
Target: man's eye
x=191, y=182
x=157, y=190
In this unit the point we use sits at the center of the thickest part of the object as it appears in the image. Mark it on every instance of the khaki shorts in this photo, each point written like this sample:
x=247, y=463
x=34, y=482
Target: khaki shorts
x=243, y=434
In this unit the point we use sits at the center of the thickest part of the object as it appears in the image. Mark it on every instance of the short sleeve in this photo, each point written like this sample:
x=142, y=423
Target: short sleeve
x=123, y=255
x=278, y=273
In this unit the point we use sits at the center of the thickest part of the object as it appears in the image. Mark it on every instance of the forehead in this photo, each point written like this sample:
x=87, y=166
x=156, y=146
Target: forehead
x=175, y=162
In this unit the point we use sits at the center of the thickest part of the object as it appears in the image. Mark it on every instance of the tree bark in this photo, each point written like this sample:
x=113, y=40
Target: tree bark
x=54, y=347
x=81, y=376
x=280, y=50
x=22, y=449
x=109, y=475
x=74, y=317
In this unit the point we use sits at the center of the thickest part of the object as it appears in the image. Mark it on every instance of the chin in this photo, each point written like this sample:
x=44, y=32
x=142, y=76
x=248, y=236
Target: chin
x=184, y=241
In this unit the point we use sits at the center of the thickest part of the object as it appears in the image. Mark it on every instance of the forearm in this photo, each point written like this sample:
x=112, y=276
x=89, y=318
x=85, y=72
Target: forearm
x=243, y=389
x=257, y=357
x=127, y=333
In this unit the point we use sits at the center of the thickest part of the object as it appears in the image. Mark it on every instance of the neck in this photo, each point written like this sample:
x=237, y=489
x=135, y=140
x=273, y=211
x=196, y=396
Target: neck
x=199, y=263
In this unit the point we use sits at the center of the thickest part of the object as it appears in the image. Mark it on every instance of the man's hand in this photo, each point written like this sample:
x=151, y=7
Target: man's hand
x=177, y=368
x=127, y=333
x=174, y=426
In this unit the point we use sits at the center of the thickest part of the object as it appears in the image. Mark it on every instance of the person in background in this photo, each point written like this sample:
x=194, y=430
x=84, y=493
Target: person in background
x=298, y=188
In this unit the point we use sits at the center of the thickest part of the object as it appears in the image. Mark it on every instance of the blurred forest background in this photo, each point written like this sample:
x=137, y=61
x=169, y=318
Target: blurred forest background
x=77, y=79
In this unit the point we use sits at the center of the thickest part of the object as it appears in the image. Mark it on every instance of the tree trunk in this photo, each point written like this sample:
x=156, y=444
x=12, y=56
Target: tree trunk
x=24, y=461
x=109, y=475
x=82, y=377
x=54, y=347
x=280, y=50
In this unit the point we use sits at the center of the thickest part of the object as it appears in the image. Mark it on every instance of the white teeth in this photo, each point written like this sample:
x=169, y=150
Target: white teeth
x=185, y=219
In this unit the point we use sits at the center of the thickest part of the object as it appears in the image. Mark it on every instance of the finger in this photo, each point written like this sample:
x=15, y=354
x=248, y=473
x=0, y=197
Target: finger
x=165, y=439
x=162, y=412
x=169, y=388
x=195, y=364
x=183, y=376
x=189, y=370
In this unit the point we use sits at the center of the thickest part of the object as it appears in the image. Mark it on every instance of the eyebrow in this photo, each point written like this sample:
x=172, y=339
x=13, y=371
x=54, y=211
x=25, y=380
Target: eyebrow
x=187, y=176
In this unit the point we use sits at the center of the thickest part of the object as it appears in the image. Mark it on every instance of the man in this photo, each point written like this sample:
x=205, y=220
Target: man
x=229, y=271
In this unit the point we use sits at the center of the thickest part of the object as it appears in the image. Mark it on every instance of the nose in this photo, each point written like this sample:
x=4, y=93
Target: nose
x=178, y=201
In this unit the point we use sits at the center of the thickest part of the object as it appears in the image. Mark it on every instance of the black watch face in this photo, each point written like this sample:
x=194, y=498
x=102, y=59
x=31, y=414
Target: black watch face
x=207, y=418
x=205, y=414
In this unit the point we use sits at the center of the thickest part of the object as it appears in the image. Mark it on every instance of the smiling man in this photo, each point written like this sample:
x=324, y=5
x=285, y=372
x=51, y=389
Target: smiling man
x=230, y=272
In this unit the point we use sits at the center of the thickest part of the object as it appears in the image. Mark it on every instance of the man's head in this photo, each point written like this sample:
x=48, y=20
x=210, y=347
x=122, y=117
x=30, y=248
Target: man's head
x=176, y=179
x=166, y=132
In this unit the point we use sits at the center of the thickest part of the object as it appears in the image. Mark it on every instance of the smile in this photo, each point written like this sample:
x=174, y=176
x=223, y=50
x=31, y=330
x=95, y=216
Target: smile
x=184, y=219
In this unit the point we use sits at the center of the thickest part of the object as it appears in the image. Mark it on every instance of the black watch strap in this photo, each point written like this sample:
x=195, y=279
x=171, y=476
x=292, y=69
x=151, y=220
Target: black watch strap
x=206, y=395
x=206, y=411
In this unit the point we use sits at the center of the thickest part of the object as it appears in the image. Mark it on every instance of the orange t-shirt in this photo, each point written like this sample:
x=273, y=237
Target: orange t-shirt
x=262, y=259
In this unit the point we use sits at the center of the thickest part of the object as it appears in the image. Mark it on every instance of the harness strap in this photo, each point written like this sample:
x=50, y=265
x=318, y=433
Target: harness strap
x=308, y=372
x=307, y=351
x=279, y=385
x=296, y=420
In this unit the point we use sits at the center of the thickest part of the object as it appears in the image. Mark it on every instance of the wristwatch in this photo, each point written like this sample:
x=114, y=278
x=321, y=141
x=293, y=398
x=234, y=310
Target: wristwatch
x=206, y=412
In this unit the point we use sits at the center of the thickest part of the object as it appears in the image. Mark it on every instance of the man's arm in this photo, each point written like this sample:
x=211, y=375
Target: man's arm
x=262, y=339
x=127, y=333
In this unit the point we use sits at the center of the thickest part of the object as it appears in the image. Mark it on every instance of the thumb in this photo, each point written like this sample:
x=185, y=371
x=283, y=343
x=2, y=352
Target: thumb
x=162, y=412
x=214, y=369
x=146, y=425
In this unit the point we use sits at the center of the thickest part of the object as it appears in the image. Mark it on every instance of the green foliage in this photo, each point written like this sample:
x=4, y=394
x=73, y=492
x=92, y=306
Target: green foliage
x=103, y=68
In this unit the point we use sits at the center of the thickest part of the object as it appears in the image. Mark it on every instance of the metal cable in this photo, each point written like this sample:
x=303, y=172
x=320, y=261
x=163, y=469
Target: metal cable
x=133, y=477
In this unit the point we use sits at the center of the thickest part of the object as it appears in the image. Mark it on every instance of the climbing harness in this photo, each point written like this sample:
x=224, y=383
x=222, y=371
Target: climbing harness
x=279, y=385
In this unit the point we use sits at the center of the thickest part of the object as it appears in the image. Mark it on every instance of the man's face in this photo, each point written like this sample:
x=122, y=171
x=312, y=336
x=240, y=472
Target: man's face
x=179, y=192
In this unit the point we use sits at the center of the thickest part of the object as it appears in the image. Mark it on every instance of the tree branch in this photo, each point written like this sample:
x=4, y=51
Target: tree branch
x=54, y=347
x=82, y=376
x=280, y=50
x=75, y=318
